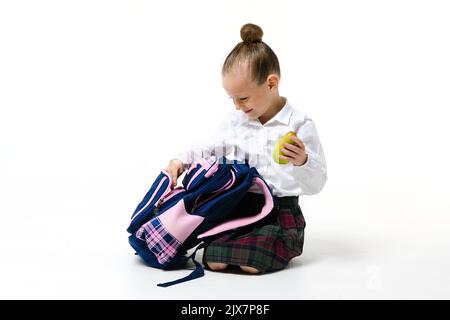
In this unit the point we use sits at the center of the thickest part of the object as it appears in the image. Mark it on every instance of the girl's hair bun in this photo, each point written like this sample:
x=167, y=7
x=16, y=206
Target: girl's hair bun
x=251, y=33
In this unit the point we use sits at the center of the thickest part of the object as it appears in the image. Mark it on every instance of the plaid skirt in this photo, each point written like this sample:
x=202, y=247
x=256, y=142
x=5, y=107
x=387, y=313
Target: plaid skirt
x=266, y=245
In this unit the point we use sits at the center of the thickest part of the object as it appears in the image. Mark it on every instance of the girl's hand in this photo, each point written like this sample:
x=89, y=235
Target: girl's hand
x=175, y=169
x=295, y=153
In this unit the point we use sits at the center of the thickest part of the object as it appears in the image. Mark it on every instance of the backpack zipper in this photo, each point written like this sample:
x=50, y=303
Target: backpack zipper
x=156, y=210
x=195, y=205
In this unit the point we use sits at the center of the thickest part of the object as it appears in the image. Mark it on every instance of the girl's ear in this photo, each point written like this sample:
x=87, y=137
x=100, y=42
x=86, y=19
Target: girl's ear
x=273, y=81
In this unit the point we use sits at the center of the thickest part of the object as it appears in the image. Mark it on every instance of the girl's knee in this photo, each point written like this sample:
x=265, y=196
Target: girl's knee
x=217, y=266
x=250, y=269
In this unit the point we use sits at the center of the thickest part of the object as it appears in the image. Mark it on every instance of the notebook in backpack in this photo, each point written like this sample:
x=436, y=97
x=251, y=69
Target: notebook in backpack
x=169, y=222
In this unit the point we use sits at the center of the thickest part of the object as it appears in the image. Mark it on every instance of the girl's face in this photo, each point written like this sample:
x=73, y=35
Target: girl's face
x=252, y=99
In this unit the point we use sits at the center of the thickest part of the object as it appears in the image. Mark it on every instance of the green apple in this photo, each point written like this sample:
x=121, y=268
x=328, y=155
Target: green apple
x=279, y=145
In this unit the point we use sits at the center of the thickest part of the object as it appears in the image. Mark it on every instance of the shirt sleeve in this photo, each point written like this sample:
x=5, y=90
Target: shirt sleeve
x=209, y=144
x=312, y=175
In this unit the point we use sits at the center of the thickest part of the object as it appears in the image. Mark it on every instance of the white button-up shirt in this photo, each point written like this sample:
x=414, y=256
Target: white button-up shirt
x=240, y=138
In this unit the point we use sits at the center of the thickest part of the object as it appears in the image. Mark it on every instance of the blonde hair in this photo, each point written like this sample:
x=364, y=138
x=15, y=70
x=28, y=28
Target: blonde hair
x=261, y=59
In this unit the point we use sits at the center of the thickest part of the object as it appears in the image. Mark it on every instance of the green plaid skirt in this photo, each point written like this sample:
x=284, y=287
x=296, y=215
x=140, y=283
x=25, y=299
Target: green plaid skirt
x=266, y=245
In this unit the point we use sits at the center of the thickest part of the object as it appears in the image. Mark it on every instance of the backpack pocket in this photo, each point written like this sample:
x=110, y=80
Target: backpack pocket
x=159, y=241
x=227, y=182
x=199, y=172
x=165, y=233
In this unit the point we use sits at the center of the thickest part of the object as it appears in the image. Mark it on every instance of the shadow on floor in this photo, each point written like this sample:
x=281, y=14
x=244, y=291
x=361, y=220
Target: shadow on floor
x=314, y=251
x=319, y=249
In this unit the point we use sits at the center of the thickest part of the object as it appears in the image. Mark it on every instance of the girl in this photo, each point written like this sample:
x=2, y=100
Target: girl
x=251, y=76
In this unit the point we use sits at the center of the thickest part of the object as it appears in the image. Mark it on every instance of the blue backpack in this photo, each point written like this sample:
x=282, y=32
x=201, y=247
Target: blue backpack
x=168, y=222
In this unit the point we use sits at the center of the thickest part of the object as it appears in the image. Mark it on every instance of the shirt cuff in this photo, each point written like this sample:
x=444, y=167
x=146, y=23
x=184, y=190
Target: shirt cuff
x=306, y=162
x=311, y=175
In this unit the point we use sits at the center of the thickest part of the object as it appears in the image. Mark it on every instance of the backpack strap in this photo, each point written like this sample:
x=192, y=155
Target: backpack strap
x=197, y=273
x=239, y=222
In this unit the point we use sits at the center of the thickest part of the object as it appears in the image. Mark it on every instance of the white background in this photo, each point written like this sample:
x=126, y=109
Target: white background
x=97, y=96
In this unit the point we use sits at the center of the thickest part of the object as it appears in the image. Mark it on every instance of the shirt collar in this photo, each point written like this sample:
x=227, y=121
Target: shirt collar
x=283, y=116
